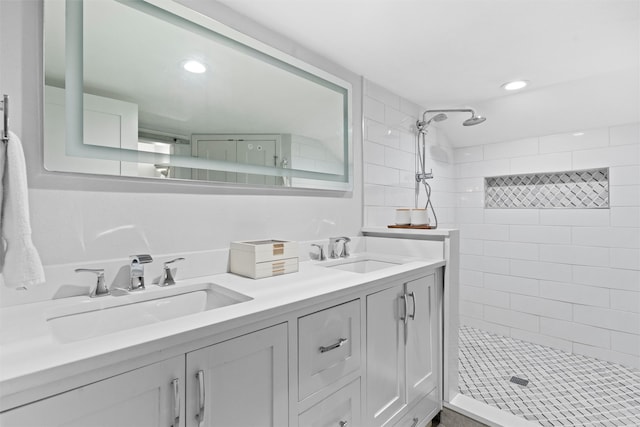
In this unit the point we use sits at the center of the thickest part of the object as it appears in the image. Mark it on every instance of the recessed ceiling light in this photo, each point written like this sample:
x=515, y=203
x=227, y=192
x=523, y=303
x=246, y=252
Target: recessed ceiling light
x=194, y=67
x=515, y=85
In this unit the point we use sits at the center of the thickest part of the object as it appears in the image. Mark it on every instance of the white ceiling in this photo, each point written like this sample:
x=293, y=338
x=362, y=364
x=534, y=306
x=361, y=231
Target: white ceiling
x=582, y=57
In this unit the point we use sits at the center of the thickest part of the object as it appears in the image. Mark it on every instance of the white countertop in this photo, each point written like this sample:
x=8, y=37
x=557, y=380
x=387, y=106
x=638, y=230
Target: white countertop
x=30, y=357
x=411, y=233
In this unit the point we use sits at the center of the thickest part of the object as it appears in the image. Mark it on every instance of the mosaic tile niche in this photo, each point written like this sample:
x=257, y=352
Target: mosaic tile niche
x=581, y=189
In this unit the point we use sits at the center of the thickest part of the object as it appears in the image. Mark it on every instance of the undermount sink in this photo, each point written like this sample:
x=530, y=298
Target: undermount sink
x=362, y=265
x=101, y=316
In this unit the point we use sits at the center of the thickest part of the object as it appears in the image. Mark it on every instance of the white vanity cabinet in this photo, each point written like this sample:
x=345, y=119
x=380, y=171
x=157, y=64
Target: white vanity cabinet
x=240, y=382
x=150, y=396
x=369, y=357
x=402, y=351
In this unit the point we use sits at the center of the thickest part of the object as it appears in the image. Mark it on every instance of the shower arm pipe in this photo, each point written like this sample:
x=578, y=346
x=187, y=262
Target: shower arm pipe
x=452, y=110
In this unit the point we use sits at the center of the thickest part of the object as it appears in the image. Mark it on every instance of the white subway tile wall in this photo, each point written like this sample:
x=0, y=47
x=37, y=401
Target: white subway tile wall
x=389, y=153
x=564, y=278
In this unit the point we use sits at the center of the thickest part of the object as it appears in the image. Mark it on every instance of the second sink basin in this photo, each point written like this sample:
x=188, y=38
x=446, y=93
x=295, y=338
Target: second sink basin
x=101, y=316
x=364, y=265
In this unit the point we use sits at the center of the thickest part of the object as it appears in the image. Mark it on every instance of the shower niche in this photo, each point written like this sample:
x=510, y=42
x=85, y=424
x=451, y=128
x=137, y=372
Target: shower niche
x=579, y=189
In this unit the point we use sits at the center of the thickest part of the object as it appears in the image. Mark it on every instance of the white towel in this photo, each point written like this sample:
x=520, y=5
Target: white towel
x=20, y=262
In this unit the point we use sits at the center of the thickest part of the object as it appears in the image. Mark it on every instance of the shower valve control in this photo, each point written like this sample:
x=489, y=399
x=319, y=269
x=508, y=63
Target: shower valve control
x=420, y=177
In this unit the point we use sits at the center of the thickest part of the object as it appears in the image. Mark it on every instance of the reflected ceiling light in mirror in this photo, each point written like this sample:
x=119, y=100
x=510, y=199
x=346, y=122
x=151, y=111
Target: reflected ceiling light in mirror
x=194, y=66
x=578, y=134
x=515, y=85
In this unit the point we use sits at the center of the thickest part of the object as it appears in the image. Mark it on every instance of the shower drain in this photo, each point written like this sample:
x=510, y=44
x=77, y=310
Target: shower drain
x=519, y=381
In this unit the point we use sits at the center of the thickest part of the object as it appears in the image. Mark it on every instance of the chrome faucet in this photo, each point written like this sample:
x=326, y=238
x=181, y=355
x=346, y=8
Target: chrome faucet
x=333, y=247
x=100, y=290
x=136, y=282
x=167, y=276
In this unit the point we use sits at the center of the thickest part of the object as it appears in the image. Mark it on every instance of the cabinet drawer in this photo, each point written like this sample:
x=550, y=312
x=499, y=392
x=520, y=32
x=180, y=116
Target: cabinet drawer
x=342, y=408
x=423, y=412
x=328, y=346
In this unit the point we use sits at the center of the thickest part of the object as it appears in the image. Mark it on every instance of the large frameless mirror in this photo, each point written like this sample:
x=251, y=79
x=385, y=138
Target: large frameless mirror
x=153, y=89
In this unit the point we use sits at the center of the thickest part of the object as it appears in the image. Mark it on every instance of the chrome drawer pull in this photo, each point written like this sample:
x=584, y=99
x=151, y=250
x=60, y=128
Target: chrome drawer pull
x=340, y=342
x=201, y=398
x=343, y=424
x=176, y=402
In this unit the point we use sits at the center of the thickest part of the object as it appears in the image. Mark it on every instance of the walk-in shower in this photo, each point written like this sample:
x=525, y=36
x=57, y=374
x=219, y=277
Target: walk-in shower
x=423, y=127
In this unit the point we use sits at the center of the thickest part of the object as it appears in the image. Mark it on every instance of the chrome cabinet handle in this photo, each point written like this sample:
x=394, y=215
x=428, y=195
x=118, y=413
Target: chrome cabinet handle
x=201, y=398
x=415, y=422
x=340, y=342
x=343, y=424
x=176, y=402
x=405, y=318
x=413, y=298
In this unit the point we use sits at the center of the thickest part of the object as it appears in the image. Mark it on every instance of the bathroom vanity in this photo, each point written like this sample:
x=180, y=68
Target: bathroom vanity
x=349, y=342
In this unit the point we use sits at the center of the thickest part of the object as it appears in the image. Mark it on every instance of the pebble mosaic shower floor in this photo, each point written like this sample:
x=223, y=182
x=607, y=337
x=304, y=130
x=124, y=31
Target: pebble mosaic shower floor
x=563, y=389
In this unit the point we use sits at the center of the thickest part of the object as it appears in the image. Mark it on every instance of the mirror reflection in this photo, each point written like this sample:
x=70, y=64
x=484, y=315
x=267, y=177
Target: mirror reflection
x=168, y=93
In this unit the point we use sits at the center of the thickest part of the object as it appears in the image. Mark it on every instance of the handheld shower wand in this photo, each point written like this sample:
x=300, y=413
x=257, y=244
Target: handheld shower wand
x=421, y=174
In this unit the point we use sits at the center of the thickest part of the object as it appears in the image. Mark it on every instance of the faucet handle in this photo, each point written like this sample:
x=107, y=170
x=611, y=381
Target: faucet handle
x=333, y=247
x=172, y=261
x=166, y=278
x=101, y=288
x=321, y=255
x=345, y=248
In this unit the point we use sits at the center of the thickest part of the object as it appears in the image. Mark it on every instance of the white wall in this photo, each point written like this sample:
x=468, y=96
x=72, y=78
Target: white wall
x=389, y=156
x=565, y=278
x=77, y=222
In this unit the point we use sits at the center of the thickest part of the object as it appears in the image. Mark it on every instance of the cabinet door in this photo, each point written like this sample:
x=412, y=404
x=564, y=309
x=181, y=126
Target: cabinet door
x=241, y=382
x=421, y=338
x=152, y=396
x=386, y=390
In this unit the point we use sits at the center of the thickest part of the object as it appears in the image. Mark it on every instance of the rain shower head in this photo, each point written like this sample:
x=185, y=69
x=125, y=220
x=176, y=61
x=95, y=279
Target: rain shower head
x=474, y=120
